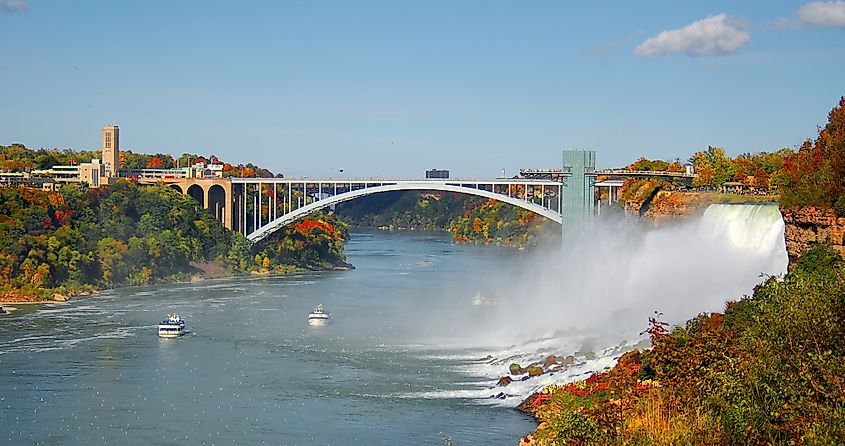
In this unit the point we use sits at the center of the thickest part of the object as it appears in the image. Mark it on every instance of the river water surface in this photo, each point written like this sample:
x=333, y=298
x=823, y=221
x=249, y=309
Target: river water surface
x=421, y=331
x=250, y=370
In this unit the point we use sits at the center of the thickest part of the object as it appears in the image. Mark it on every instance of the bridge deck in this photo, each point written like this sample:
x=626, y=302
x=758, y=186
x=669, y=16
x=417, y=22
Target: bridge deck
x=365, y=181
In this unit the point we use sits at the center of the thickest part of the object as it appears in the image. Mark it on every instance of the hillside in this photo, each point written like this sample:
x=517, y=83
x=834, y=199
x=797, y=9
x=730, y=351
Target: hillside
x=71, y=241
x=468, y=219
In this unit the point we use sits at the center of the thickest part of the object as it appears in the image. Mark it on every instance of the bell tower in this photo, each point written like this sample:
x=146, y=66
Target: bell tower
x=111, y=150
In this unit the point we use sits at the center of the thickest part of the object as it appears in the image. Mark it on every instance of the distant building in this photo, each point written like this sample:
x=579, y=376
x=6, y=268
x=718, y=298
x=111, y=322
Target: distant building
x=216, y=170
x=106, y=170
x=437, y=173
x=96, y=173
x=111, y=150
x=91, y=173
x=59, y=173
x=15, y=179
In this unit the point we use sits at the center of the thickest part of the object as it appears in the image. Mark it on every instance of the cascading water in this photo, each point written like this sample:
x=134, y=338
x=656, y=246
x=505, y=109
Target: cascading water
x=596, y=295
x=749, y=226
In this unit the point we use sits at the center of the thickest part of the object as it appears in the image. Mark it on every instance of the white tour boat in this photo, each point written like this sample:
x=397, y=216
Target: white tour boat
x=171, y=327
x=318, y=316
x=480, y=300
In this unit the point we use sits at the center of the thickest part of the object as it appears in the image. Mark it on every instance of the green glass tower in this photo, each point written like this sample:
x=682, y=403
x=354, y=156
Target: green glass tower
x=578, y=199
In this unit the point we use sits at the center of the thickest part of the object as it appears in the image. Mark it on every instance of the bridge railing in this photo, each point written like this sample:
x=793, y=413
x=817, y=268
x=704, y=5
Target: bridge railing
x=654, y=173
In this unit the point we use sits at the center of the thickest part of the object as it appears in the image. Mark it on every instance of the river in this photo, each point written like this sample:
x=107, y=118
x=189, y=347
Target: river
x=411, y=356
x=250, y=370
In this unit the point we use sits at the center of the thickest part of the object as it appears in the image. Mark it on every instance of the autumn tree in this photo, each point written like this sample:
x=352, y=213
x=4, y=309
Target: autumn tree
x=815, y=175
x=155, y=163
x=720, y=168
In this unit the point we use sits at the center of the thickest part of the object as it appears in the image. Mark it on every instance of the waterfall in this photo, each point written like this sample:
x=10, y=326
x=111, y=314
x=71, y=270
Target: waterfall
x=750, y=226
x=597, y=293
x=617, y=273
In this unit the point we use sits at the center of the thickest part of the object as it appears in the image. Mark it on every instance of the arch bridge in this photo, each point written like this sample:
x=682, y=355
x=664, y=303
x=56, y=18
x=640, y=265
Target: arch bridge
x=264, y=205
x=256, y=207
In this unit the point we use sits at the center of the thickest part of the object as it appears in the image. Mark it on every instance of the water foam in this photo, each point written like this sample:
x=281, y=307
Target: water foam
x=600, y=290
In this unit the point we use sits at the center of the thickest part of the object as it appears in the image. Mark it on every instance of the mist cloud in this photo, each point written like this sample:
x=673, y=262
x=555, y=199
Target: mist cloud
x=616, y=273
x=714, y=35
x=823, y=14
x=13, y=6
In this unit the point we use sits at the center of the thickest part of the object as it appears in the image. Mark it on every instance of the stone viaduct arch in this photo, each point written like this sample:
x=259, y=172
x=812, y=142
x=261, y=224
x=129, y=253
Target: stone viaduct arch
x=214, y=194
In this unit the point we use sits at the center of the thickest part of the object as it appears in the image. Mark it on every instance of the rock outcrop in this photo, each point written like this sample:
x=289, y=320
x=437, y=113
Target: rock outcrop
x=669, y=206
x=504, y=381
x=810, y=225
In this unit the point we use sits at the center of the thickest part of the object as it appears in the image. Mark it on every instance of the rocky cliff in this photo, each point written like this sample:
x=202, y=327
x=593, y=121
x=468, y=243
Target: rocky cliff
x=809, y=225
x=667, y=206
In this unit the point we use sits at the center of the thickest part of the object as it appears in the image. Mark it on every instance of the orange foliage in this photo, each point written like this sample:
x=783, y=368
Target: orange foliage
x=56, y=199
x=155, y=163
x=308, y=226
x=476, y=225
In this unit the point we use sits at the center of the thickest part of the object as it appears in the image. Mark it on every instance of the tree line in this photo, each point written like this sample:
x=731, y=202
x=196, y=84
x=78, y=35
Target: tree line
x=73, y=240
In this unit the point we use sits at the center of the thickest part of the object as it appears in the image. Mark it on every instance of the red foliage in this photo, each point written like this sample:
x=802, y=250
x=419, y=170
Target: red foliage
x=63, y=217
x=155, y=163
x=541, y=398
x=308, y=226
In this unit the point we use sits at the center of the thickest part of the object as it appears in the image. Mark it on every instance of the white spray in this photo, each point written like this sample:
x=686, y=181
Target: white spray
x=601, y=288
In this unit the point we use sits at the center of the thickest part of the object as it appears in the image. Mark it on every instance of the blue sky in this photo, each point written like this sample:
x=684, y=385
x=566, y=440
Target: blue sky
x=392, y=88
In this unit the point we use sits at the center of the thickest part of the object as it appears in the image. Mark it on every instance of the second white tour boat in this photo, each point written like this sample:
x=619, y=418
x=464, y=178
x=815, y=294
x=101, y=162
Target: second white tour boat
x=173, y=326
x=318, y=316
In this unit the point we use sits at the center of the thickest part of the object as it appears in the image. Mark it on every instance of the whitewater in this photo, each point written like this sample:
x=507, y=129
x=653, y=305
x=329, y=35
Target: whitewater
x=592, y=299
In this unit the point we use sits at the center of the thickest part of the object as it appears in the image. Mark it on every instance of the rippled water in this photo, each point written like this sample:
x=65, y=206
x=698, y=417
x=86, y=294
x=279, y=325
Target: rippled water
x=250, y=370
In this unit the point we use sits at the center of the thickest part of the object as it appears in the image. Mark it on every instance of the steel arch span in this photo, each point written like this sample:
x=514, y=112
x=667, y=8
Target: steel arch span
x=263, y=230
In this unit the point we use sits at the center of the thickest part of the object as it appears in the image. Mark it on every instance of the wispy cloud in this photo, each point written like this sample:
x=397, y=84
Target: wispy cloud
x=13, y=6
x=714, y=35
x=823, y=14
x=603, y=49
x=783, y=24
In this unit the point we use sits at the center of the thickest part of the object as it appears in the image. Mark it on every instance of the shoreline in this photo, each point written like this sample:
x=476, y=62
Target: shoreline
x=214, y=274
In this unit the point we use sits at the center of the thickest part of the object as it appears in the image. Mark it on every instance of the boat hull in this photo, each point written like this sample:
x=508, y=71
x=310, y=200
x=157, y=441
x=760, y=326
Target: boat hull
x=165, y=333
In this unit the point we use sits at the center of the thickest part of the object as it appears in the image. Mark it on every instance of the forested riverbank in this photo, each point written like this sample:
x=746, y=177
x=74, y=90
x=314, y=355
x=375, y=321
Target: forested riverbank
x=74, y=241
x=766, y=370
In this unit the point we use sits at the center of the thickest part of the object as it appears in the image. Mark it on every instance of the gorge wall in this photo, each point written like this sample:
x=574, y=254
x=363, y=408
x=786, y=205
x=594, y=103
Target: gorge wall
x=809, y=225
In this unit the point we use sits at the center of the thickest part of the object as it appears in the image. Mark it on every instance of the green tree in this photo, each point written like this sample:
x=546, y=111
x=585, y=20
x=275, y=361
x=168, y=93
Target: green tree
x=713, y=160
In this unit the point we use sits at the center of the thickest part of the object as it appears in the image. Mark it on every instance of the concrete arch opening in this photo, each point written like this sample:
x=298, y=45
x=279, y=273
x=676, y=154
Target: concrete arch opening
x=217, y=204
x=197, y=193
x=177, y=188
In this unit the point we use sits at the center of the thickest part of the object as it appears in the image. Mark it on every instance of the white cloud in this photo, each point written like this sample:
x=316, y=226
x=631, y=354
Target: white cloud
x=823, y=14
x=712, y=35
x=13, y=6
